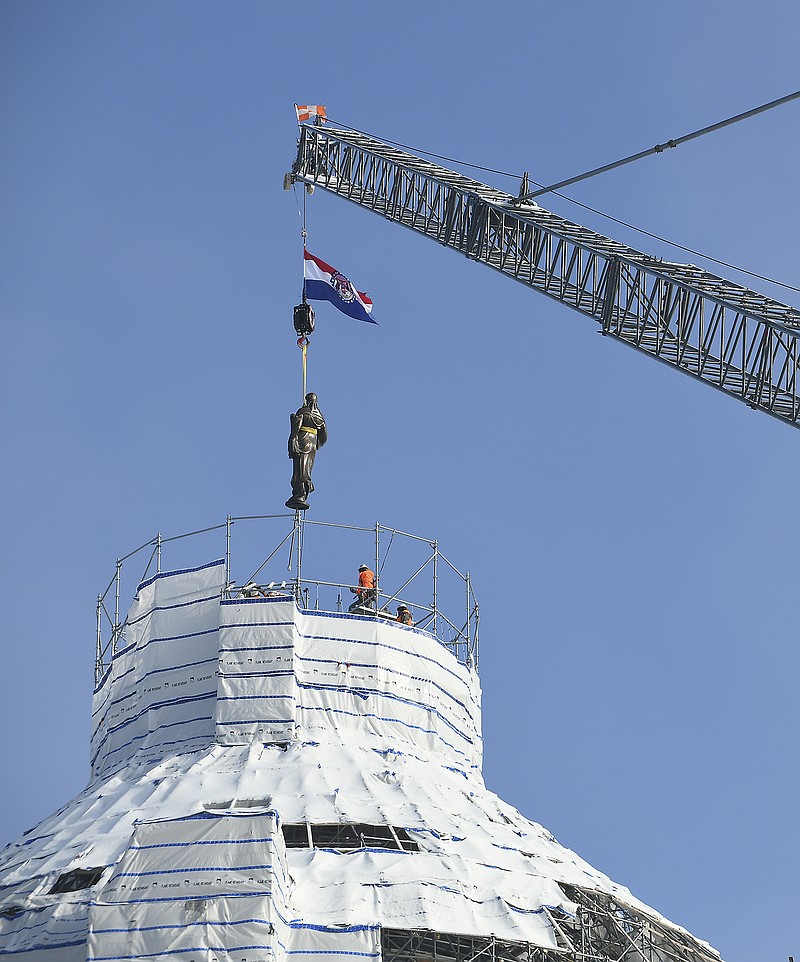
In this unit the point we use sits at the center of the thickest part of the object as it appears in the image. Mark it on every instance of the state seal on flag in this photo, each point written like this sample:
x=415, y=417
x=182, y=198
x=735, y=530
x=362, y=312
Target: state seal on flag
x=321, y=282
x=342, y=286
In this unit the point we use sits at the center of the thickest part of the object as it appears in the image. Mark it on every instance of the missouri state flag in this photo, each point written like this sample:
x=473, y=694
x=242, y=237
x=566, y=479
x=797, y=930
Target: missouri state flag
x=324, y=283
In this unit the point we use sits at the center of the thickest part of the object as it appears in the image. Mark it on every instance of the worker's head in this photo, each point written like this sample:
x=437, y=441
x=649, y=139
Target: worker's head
x=363, y=568
x=401, y=609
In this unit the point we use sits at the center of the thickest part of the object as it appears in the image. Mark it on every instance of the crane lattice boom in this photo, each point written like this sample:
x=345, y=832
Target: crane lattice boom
x=734, y=339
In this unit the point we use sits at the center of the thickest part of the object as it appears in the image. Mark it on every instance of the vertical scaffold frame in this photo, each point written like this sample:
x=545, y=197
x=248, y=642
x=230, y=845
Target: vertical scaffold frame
x=601, y=929
x=460, y=636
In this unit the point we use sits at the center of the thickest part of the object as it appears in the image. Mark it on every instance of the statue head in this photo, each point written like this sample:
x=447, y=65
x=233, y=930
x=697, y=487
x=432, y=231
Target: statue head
x=311, y=399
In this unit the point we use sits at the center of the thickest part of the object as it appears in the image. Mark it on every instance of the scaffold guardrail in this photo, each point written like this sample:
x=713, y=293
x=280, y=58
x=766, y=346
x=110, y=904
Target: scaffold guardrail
x=409, y=570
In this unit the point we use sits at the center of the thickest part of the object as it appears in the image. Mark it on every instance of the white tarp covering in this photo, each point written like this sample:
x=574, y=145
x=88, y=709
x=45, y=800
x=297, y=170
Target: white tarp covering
x=382, y=684
x=212, y=886
x=286, y=673
x=50, y=933
x=159, y=693
x=193, y=884
x=257, y=691
x=312, y=718
x=423, y=891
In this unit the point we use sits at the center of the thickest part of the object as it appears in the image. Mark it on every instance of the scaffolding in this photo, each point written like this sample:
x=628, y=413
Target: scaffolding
x=601, y=930
x=424, y=580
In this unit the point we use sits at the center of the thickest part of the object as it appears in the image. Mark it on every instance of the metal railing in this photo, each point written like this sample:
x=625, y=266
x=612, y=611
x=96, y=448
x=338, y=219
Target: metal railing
x=409, y=570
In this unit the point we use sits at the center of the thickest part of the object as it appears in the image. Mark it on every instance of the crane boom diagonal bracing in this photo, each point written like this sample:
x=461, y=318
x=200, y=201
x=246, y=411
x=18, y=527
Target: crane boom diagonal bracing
x=734, y=339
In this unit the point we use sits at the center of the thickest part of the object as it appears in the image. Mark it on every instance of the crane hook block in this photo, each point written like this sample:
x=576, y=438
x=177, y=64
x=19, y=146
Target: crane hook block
x=304, y=319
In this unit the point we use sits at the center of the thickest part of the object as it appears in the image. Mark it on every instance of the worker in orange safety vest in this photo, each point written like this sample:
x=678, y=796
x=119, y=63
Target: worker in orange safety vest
x=404, y=615
x=365, y=592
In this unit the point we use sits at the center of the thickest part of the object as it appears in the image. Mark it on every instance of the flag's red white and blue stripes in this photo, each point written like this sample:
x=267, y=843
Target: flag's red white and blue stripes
x=325, y=283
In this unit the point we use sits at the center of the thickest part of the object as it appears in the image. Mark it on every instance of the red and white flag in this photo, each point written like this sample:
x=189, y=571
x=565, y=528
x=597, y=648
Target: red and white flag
x=307, y=111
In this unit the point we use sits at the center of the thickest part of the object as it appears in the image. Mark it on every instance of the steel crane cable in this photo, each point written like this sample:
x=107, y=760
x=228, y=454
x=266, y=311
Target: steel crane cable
x=427, y=153
x=660, y=148
x=680, y=247
x=594, y=210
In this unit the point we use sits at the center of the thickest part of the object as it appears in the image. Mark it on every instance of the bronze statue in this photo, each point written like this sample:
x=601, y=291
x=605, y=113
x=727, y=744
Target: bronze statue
x=308, y=432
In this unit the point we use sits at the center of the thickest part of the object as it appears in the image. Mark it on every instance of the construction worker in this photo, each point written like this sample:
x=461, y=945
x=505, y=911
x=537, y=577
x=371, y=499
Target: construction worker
x=365, y=592
x=404, y=615
x=252, y=590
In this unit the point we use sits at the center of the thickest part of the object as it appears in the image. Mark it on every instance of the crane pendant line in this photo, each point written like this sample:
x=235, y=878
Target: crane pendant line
x=527, y=194
x=731, y=338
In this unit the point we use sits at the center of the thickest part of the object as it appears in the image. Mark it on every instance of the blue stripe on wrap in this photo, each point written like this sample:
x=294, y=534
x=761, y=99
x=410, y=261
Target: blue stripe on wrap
x=370, y=692
x=179, y=571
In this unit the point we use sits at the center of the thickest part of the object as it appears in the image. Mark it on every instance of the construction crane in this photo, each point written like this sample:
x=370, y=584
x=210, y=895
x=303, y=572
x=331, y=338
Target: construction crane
x=736, y=340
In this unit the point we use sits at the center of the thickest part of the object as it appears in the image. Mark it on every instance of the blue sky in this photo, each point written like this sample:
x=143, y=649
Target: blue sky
x=631, y=534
